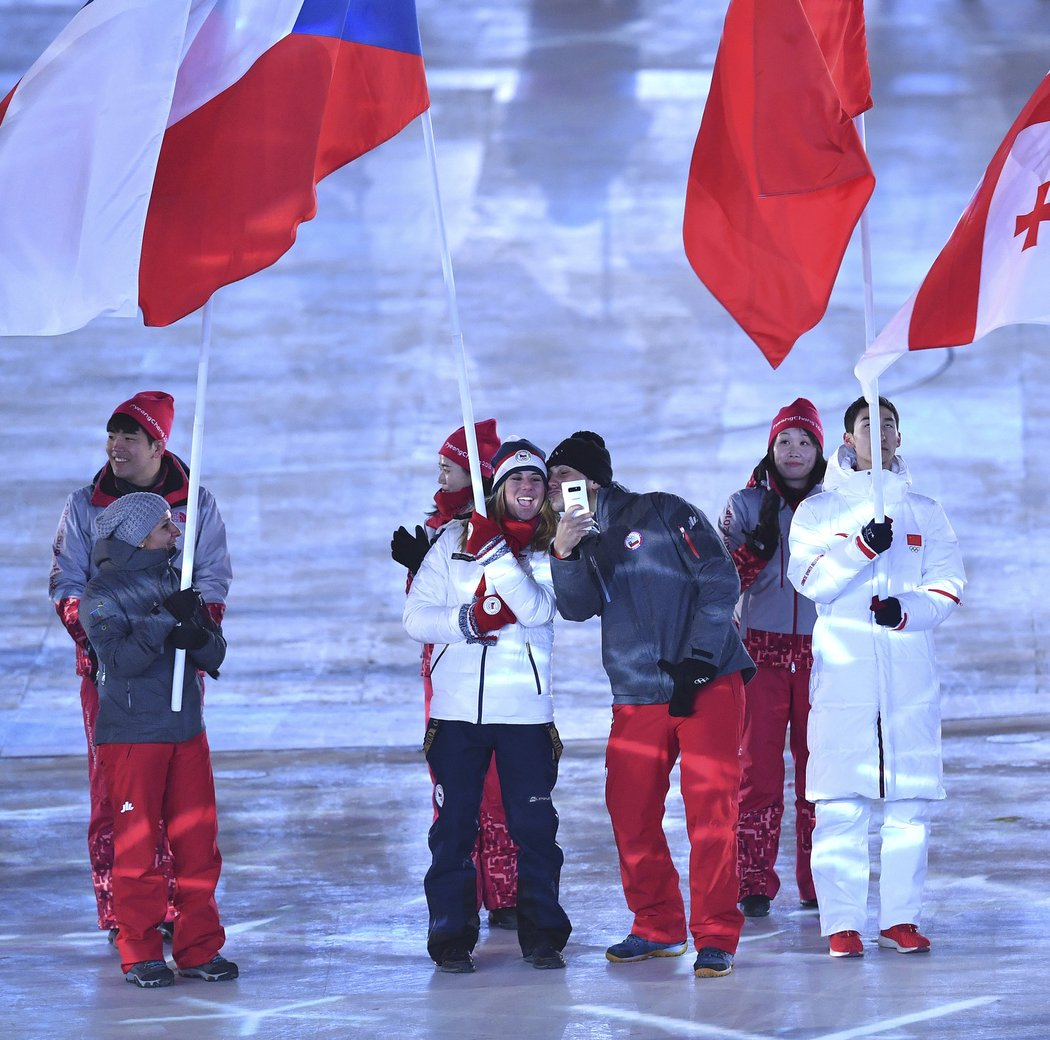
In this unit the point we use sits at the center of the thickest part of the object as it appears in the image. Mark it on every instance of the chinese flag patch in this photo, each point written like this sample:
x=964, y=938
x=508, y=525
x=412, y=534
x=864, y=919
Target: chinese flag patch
x=915, y=539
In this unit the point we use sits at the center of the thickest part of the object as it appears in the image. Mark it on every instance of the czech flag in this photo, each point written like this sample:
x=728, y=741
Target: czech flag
x=160, y=149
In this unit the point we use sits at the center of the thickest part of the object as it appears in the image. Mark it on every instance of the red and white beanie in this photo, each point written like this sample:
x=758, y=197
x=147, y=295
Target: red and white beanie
x=153, y=410
x=516, y=454
x=455, y=447
x=801, y=414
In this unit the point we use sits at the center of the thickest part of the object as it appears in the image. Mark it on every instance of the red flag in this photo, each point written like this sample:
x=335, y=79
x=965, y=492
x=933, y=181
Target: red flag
x=995, y=267
x=839, y=29
x=779, y=177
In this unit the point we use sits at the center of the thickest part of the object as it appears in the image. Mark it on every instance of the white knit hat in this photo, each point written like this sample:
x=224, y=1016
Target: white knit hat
x=131, y=518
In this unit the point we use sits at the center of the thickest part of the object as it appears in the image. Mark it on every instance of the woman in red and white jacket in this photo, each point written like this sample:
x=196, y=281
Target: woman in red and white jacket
x=495, y=855
x=484, y=597
x=776, y=624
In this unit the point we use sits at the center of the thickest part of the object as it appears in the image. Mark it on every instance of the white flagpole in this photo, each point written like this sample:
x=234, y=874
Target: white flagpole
x=457, y=335
x=871, y=390
x=189, y=537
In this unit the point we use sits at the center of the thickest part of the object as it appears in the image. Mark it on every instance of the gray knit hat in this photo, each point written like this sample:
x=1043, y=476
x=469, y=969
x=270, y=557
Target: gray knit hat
x=131, y=518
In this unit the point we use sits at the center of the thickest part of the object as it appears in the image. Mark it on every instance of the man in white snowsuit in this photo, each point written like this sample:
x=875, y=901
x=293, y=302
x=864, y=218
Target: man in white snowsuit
x=874, y=724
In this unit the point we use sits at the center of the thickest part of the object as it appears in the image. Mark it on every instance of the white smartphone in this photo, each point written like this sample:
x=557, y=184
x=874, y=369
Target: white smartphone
x=574, y=493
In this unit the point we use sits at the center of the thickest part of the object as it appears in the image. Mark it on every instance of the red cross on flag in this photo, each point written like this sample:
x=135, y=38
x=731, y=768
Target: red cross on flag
x=995, y=268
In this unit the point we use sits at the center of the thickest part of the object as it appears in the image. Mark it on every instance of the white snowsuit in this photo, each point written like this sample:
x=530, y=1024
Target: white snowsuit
x=874, y=724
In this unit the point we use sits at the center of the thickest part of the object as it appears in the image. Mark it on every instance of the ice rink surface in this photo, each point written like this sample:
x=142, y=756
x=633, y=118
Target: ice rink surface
x=564, y=130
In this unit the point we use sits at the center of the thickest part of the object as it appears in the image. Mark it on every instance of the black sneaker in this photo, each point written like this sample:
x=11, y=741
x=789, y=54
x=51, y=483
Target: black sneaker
x=808, y=904
x=755, y=906
x=218, y=969
x=712, y=963
x=150, y=974
x=545, y=956
x=167, y=930
x=504, y=917
x=456, y=961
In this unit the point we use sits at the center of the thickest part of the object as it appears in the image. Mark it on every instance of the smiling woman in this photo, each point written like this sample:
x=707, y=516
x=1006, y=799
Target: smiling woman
x=484, y=597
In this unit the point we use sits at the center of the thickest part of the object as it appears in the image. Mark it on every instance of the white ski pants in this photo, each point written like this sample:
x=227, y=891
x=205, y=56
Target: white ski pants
x=841, y=863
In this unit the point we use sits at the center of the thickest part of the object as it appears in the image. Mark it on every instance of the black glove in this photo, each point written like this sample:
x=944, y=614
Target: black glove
x=185, y=605
x=877, y=537
x=887, y=612
x=764, y=540
x=189, y=636
x=689, y=676
x=409, y=550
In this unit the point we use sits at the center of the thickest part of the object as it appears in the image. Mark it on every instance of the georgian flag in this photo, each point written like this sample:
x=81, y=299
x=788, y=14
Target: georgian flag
x=995, y=268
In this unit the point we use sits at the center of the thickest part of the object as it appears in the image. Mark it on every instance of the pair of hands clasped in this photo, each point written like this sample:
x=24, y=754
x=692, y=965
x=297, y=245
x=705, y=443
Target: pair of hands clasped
x=878, y=537
x=488, y=612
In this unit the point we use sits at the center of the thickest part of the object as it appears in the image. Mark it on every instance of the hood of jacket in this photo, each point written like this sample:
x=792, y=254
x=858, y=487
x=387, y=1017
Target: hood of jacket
x=126, y=557
x=843, y=478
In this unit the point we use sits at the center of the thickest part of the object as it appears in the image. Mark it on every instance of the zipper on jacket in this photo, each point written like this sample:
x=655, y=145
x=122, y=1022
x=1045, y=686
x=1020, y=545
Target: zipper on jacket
x=601, y=580
x=689, y=542
x=882, y=757
x=481, y=684
x=535, y=670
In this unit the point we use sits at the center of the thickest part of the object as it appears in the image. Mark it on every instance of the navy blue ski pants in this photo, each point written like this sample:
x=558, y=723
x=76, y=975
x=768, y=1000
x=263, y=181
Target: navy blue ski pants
x=459, y=755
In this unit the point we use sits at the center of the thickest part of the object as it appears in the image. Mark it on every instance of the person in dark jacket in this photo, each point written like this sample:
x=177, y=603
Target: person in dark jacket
x=155, y=761
x=776, y=623
x=138, y=459
x=663, y=584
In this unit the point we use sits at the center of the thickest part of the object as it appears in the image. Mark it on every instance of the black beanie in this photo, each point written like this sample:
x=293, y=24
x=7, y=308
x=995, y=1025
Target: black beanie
x=586, y=452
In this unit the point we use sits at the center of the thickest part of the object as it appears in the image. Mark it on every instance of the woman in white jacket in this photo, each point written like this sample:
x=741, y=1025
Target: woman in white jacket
x=874, y=723
x=484, y=597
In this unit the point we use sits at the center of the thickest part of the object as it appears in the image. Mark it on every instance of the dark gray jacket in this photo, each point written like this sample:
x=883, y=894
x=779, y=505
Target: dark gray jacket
x=130, y=631
x=664, y=586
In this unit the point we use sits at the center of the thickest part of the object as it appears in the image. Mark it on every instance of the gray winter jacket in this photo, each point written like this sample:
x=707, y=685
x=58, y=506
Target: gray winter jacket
x=130, y=631
x=664, y=586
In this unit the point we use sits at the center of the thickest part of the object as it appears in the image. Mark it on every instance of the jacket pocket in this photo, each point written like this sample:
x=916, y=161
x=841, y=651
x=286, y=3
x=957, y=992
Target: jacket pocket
x=535, y=670
x=428, y=738
x=434, y=660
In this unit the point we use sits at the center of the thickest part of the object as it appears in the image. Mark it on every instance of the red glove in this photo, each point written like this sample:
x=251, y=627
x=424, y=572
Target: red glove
x=480, y=531
x=68, y=610
x=491, y=613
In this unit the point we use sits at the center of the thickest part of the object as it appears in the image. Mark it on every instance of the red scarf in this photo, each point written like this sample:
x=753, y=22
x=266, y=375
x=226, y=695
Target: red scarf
x=450, y=505
x=519, y=534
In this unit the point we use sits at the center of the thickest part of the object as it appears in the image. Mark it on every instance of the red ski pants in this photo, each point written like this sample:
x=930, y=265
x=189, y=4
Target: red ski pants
x=644, y=744
x=150, y=783
x=100, y=824
x=776, y=706
x=495, y=855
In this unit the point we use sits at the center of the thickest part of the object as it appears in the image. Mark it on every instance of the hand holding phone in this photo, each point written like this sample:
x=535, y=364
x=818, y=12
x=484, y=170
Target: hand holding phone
x=574, y=493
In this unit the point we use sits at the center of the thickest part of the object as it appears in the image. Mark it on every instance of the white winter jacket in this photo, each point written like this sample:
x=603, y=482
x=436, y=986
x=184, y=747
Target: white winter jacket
x=874, y=724
x=509, y=682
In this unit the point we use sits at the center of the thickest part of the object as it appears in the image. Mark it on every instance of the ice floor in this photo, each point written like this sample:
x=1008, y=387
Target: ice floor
x=564, y=130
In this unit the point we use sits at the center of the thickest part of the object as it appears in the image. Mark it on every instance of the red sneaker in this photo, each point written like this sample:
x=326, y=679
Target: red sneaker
x=904, y=938
x=845, y=944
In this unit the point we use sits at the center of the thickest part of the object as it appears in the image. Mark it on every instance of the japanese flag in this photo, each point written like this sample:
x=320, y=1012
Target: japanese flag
x=995, y=268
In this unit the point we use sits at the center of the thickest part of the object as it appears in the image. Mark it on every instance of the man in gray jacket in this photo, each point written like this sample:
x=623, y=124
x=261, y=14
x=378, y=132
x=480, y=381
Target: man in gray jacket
x=138, y=460
x=663, y=584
